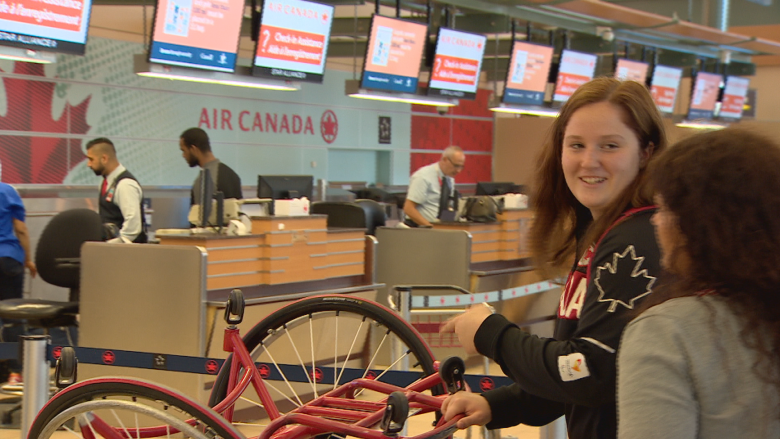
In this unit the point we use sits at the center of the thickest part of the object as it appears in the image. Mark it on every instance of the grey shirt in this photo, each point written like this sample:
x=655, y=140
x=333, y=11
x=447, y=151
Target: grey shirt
x=684, y=371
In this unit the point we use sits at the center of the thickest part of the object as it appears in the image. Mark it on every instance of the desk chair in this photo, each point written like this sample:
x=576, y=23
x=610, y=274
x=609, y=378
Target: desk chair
x=57, y=258
x=376, y=216
x=341, y=213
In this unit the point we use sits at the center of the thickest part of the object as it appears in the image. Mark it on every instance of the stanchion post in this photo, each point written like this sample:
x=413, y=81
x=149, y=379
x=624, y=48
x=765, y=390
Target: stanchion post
x=405, y=308
x=35, y=370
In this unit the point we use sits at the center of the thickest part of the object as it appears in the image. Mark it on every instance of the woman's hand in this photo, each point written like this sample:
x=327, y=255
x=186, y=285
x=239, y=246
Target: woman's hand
x=465, y=326
x=473, y=406
x=31, y=266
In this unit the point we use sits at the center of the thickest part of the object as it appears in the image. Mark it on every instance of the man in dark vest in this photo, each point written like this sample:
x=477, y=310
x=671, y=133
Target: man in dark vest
x=196, y=150
x=121, y=197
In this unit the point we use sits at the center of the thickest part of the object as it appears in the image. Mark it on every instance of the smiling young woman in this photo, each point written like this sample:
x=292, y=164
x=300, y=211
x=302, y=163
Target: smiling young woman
x=592, y=216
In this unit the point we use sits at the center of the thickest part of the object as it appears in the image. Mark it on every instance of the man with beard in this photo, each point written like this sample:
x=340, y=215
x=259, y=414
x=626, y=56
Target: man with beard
x=196, y=150
x=121, y=198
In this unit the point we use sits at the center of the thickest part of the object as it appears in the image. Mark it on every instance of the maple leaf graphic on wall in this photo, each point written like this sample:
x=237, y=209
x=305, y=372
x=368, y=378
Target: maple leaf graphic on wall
x=38, y=155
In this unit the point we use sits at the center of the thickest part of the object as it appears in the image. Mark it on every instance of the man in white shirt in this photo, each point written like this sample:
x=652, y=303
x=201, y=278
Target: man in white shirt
x=121, y=197
x=424, y=199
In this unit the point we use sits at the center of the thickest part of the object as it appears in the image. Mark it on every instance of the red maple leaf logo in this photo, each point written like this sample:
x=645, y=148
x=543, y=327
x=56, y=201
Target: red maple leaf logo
x=31, y=159
x=329, y=126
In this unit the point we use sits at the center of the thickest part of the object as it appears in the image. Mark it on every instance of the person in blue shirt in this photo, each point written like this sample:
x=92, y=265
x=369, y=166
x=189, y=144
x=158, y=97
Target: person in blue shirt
x=15, y=256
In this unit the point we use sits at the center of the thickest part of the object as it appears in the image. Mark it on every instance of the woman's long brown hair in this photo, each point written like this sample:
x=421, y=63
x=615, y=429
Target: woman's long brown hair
x=561, y=221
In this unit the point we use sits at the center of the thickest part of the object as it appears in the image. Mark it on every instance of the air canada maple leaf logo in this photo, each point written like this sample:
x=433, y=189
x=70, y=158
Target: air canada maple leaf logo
x=626, y=272
x=44, y=158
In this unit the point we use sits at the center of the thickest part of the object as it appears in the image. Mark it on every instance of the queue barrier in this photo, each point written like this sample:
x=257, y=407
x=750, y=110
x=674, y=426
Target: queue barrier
x=211, y=366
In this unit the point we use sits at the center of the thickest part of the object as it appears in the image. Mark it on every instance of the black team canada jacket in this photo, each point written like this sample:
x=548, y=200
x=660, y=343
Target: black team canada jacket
x=574, y=373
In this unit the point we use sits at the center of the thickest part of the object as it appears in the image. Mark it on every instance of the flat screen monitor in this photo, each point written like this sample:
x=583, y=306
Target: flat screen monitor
x=195, y=33
x=393, y=55
x=630, y=70
x=283, y=187
x=664, y=87
x=293, y=40
x=457, y=62
x=498, y=188
x=704, y=97
x=529, y=67
x=734, y=97
x=46, y=25
x=574, y=70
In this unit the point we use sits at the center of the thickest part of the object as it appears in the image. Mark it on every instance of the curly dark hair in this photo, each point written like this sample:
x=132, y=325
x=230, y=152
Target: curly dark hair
x=723, y=187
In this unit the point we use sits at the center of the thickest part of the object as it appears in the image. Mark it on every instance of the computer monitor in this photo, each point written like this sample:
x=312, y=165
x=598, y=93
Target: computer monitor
x=498, y=188
x=205, y=195
x=284, y=187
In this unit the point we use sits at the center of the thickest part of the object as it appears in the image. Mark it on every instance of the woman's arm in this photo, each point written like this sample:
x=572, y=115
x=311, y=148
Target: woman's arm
x=656, y=398
x=23, y=235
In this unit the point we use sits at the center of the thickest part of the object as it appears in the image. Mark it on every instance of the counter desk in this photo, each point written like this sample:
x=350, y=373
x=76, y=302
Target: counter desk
x=479, y=257
x=165, y=298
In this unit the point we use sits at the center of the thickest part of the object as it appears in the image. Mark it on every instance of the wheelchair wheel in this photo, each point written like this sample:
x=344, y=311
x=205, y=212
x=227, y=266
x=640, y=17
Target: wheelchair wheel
x=313, y=345
x=123, y=407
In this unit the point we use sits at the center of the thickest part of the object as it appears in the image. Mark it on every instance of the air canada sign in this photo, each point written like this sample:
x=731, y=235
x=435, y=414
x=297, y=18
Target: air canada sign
x=269, y=122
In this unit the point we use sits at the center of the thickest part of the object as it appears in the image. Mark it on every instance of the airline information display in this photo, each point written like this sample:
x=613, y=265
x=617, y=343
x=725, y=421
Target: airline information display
x=197, y=33
x=666, y=82
x=629, y=70
x=394, y=54
x=575, y=69
x=704, y=95
x=734, y=97
x=526, y=79
x=293, y=40
x=47, y=25
x=457, y=64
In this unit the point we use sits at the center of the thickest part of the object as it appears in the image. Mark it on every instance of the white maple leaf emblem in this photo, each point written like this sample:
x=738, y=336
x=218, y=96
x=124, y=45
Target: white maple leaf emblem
x=619, y=272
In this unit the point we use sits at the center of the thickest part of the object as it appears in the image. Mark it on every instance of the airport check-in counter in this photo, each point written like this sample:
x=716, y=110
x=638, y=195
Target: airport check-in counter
x=169, y=298
x=479, y=257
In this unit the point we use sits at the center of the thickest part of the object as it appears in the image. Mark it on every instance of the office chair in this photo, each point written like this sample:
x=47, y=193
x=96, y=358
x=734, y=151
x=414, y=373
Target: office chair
x=341, y=213
x=57, y=257
x=375, y=215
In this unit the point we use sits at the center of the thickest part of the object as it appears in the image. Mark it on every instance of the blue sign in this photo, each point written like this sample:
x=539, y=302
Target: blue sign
x=694, y=114
x=384, y=81
x=175, y=54
x=513, y=96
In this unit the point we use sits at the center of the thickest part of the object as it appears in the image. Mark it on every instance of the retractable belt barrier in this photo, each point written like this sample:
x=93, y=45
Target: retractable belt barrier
x=493, y=296
x=211, y=366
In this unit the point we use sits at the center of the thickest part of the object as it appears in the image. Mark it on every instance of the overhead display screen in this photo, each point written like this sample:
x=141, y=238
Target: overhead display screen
x=630, y=70
x=393, y=55
x=529, y=67
x=47, y=25
x=293, y=40
x=575, y=69
x=664, y=87
x=704, y=96
x=456, y=64
x=197, y=33
x=734, y=97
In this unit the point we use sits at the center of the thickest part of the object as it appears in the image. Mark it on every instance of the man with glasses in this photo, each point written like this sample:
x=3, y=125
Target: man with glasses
x=431, y=194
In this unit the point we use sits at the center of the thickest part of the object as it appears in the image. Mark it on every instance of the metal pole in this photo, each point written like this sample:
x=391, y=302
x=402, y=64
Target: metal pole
x=405, y=309
x=35, y=370
x=723, y=15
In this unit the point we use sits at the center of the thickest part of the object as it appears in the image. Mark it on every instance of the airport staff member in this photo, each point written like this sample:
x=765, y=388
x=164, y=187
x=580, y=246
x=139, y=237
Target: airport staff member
x=425, y=200
x=121, y=197
x=196, y=150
